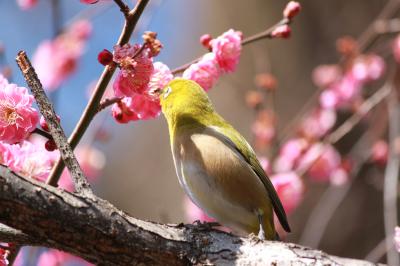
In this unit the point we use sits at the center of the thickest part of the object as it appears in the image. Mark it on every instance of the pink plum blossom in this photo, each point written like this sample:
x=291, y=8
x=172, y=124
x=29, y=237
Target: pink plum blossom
x=380, y=152
x=289, y=154
x=325, y=75
x=30, y=160
x=321, y=160
x=122, y=111
x=347, y=89
x=263, y=128
x=368, y=68
x=55, y=60
x=318, y=123
x=205, y=72
x=145, y=106
x=290, y=189
x=227, y=49
x=136, y=70
x=17, y=117
x=328, y=99
x=160, y=77
x=137, y=107
x=26, y=4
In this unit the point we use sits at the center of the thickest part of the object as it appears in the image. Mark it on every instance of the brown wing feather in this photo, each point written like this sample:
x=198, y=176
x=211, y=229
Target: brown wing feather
x=250, y=157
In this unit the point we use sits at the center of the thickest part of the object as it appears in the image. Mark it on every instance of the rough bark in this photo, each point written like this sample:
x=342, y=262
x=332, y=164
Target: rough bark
x=95, y=230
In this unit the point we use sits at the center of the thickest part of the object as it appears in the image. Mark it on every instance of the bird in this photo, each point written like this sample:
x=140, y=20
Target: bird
x=216, y=166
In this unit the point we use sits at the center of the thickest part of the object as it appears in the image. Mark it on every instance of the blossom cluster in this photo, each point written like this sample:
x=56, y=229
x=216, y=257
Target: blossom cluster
x=17, y=116
x=136, y=82
x=223, y=58
x=56, y=60
x=26, y=154
x=139, y=76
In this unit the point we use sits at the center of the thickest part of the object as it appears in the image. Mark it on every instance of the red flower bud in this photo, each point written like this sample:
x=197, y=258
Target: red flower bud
x=282, y=31
x=205, y=41
x=50, y=145
x=105, y=57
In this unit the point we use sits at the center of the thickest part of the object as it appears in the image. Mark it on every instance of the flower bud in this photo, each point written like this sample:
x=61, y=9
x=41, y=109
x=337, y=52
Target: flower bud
x=105, y=57
x=291, y=10
x=282, y=31
x=50, y=145
x=205, y=41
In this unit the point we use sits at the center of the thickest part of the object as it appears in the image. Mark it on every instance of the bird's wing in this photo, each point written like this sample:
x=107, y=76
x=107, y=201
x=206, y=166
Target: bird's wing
x=230, y=136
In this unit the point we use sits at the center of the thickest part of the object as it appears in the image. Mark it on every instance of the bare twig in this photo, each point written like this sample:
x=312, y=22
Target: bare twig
x=248, y=40
x=107, y=102
x=46, y=108
x=123, y=7
x=366, y=39
x=378, y=251
x=334, y=196
x=92, y=107
x=349, y=124
x=43, y=133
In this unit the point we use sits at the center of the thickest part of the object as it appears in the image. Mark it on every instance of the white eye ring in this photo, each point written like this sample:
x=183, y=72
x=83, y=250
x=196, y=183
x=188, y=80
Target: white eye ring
x=167, y=92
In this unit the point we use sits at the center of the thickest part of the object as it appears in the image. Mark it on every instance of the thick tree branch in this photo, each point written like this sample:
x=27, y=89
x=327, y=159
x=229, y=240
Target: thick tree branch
x=104, y=235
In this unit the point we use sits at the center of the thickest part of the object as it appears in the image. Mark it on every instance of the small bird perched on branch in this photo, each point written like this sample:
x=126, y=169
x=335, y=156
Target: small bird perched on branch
x=216, y=166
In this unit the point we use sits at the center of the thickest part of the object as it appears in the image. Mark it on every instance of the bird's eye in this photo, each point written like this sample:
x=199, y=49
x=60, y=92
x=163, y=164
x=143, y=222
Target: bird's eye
x=167, y=92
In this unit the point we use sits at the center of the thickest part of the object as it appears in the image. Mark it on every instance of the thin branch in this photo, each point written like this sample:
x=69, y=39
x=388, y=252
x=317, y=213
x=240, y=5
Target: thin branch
x=366, y=39
x=370, y=35
x=348, y=125
x=107, y=102
x=93, y=104
x=123, y=7
x=42, y=133
x=333, y=196
x=365, y=107
x=378, y=251
x=46, y=108
x=256, y=37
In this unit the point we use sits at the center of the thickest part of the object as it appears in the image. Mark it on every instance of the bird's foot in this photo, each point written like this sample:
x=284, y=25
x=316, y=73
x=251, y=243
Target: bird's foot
x=254, y=238
x=261, y=234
